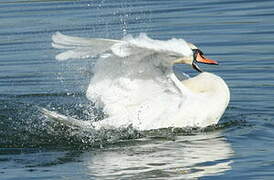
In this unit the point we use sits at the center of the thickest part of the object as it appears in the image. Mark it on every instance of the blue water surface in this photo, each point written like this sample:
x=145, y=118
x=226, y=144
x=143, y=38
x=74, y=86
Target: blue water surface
x=239, y=34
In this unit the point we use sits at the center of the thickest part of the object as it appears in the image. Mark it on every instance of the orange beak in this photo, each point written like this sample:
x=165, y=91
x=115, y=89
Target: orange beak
x=198, y=57
x=202, y=59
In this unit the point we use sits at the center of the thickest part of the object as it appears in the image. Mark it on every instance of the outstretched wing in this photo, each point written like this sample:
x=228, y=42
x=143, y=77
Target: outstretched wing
x=83, y=48
x=133, y=78
x=80, y=48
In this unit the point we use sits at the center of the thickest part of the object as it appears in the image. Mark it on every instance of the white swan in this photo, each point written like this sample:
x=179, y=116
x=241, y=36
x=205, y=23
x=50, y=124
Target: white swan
x=135, y=84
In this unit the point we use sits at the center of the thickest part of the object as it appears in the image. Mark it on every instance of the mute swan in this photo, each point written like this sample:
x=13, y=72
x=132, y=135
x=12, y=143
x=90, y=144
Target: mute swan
x=135, y=85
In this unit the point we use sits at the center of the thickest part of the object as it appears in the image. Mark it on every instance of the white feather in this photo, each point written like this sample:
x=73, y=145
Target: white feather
x=83, y=48
x=135, y=84
x=80, y=48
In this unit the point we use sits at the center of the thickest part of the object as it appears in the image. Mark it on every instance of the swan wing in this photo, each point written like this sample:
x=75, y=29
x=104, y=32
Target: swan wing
x=83, y=48
x=65, y=120
x=133, y=79
x=80, y=48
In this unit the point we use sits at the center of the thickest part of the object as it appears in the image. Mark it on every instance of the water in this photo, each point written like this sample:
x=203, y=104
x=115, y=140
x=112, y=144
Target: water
x=239, y=34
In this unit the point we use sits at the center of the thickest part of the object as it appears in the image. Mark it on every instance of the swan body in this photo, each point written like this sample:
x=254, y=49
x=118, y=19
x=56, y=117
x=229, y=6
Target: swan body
x=135, y=85
x=205, y=100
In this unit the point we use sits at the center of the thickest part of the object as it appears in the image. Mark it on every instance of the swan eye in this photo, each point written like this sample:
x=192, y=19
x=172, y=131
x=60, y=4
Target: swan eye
x=196, y=52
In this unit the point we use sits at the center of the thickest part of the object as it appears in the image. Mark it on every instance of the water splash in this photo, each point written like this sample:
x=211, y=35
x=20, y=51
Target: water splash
x=24, y=126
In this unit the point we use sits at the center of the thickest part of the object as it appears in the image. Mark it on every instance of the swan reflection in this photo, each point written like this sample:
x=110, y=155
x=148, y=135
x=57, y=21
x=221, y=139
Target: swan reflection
x=187, y=157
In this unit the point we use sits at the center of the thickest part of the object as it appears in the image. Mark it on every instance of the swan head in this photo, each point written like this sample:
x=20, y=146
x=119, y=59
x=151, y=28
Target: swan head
x=197, y=57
